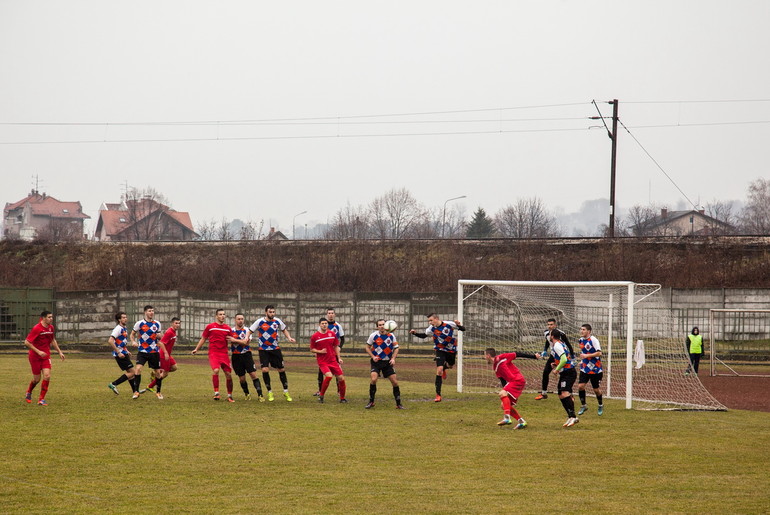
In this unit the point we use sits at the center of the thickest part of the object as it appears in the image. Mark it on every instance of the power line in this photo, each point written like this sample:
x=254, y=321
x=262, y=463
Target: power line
x=658, y=165
x=344, y=117
x=736, y=101
x=290, y=123
x=250, y=138
x=702, y=124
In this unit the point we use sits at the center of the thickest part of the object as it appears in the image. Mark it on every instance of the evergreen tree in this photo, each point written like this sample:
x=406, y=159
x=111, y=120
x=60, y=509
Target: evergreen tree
x=480, y=226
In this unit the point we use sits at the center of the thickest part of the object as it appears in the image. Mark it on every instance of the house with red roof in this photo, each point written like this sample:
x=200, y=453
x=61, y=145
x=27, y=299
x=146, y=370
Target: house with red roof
x=40, y=216
x=143, y=219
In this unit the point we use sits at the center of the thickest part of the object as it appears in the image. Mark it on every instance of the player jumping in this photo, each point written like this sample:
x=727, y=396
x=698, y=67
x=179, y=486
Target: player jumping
x=445, y=345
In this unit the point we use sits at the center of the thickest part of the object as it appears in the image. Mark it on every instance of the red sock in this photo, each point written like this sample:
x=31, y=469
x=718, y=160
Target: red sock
x=229, y=382
x=342, y=388
x=325, y=385
x=514, y=413
x=32, y=385
x=152, y=383
x=43, y=389
x=215, y=380
x=506, y=405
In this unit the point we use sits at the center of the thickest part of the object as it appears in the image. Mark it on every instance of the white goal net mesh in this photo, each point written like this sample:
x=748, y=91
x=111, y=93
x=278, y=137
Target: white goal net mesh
x=739, y=342
x=511, y=316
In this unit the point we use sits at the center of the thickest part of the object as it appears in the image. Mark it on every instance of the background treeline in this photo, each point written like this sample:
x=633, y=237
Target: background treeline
x=389, y=265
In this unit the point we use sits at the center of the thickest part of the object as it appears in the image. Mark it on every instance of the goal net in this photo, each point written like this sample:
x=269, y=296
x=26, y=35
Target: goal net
x=739, y=342
x=643, y=351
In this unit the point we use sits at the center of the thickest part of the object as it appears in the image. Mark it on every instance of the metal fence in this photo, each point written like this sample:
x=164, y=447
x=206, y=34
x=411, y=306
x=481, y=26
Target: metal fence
x=20, y=310
x=87, y=317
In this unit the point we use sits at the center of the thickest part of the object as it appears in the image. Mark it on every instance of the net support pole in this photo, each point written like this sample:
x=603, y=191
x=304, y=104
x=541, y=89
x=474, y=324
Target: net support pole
x=609, y=349
x=460, y=338
x=711, y=341
x=630, y=347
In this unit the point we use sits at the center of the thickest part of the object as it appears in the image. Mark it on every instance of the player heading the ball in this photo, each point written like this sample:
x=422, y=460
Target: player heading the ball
x=382, y=348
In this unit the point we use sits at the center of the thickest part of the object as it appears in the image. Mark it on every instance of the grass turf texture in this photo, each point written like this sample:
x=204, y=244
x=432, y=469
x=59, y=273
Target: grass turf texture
x=93, y=451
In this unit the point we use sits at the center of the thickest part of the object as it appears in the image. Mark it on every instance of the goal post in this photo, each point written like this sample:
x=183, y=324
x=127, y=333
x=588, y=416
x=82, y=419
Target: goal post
x=739, y=342
x=643, y=351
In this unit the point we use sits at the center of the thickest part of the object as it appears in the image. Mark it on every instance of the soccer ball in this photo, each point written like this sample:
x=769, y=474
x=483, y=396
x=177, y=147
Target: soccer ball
x=391, y=326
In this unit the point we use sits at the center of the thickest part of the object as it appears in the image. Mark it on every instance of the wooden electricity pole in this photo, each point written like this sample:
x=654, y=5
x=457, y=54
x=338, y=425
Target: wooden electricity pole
x=613, y=134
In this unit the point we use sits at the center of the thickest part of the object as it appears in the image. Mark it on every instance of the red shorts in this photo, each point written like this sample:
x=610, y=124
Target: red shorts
x=166, y=364
x=37, y=363
x=222, y=361
x=514, y=388
x=334, y=368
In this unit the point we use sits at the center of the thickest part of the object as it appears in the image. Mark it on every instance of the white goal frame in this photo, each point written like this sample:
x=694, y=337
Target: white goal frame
x=713, y=330
x=629, y=337
x=665, y=354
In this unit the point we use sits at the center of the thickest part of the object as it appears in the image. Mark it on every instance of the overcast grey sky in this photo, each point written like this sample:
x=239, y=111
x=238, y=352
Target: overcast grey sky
x=350, y=83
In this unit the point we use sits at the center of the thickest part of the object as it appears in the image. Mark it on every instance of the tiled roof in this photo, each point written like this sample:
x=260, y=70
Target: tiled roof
x=44, y=205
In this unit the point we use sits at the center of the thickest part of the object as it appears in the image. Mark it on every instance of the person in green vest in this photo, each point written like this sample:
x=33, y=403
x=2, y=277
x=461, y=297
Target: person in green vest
x=694, y=346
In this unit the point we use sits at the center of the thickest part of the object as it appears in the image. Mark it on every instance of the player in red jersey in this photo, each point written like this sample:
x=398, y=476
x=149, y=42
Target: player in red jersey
x=325, y=345
x=39, y=341
x=167, y=363
x=218, y=334
x=514, y=383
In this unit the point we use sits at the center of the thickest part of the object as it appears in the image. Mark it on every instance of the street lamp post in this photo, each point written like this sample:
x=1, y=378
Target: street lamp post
x=292, y=223
x=443, y=217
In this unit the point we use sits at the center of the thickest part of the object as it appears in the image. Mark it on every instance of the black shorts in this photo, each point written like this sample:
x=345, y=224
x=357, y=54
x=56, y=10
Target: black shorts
x=595, y=379
x=445, y=359
x=152, y=359
x=271, y=358
x=124, y=363
x=567, y=380
x=243, y=364
x=382, y=367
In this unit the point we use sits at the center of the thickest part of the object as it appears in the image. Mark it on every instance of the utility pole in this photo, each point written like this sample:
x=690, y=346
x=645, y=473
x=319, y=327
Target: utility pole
x=613, y=134
x=613, y=163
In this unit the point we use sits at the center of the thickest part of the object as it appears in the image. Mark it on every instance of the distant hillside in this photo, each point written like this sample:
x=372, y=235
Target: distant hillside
x=327, y=266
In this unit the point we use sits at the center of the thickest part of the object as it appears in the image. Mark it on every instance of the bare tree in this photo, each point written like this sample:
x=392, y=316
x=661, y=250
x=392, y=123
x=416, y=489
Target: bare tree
x=528, y=218
x=642, y=220
x=349, y=223
x=222, y=231
x=251, y=230
x=147, y=214
x=60, y=229
x=395, y=214
x=755, y=218
x=724, y=217
x=207, y=229
x=454, y=223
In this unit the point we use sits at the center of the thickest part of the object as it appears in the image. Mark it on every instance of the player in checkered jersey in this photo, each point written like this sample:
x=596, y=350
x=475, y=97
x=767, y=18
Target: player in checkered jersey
x=590, y=368
x=336, y=328
x=445, y=345
x=118, y=341
x=270, y=355
x=146, y=336
x=243, y=361
x=382, y=348
x=166, y=365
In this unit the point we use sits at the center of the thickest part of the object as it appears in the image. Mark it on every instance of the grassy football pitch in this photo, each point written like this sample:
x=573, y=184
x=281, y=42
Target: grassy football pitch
x=90, y=451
